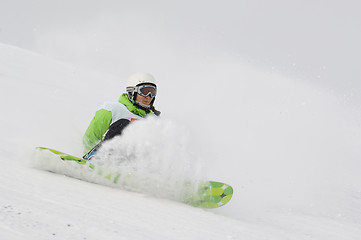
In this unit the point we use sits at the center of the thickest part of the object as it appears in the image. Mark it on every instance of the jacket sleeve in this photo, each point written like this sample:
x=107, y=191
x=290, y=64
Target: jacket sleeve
x=96, y=129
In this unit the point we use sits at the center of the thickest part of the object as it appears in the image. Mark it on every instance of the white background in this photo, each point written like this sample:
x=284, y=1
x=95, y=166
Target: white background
x=269, y=91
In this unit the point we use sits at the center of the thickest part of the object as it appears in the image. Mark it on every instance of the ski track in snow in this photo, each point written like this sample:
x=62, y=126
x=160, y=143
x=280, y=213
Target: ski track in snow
x=46, y=104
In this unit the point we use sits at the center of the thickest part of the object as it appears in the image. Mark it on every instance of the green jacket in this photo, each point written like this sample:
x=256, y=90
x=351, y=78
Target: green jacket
x=109, y=113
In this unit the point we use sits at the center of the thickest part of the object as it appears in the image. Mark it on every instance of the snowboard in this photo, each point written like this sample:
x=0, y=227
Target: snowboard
x=209, y=194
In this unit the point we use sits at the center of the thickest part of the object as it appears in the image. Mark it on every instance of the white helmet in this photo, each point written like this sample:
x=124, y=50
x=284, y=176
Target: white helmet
x=140, y=78
x=136, y=80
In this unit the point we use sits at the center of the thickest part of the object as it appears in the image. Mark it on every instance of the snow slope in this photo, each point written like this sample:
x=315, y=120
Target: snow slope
x=290, y=151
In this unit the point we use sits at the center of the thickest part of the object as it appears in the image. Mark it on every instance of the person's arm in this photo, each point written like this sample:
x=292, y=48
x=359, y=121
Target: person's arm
x=96, y=129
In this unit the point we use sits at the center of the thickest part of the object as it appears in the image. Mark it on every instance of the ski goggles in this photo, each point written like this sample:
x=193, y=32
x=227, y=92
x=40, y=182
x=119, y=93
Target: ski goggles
x=146, y=90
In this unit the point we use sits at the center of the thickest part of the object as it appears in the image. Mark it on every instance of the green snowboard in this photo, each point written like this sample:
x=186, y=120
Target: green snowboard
x=209, y=195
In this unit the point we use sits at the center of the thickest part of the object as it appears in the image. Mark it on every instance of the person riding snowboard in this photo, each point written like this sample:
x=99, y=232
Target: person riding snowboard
x=112, y=117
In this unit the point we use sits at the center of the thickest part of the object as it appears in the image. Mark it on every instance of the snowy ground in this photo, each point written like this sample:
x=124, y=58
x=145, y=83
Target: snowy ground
x=290, y=151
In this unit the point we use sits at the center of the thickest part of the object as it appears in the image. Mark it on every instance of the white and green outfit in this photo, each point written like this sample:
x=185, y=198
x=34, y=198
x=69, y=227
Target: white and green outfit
x=109, y=113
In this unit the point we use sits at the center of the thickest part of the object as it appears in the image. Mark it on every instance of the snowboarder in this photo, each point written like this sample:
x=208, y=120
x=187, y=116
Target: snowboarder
x=113, y=117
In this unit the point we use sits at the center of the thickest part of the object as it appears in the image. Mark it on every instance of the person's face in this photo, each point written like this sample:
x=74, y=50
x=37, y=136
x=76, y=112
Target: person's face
x=144, y=100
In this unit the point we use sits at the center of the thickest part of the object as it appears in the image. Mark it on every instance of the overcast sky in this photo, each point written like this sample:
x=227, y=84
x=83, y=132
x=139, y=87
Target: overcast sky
x=316, y=41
